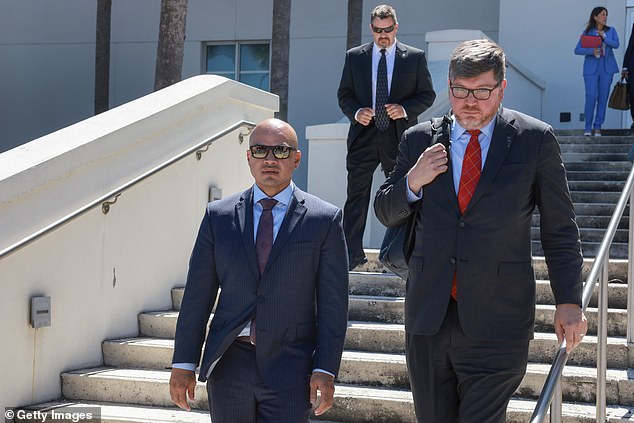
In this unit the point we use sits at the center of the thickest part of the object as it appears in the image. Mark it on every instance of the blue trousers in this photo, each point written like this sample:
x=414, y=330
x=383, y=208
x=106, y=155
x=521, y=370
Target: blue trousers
x=597, y=92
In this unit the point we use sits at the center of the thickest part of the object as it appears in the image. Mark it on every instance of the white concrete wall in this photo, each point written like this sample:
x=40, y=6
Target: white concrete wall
x=327, y=176
x=543, y=36
x=102, y=270
x=48, y=53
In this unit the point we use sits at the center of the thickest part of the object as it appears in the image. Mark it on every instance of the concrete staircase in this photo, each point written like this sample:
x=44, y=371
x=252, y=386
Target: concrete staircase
x=597, y=169
x=373, y=384
x=132, y=384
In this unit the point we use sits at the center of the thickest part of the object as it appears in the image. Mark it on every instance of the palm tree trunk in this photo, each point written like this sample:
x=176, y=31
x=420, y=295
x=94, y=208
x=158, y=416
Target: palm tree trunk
x=280, y=45
x=171, y=43
x=355, y=12
x=102, y=56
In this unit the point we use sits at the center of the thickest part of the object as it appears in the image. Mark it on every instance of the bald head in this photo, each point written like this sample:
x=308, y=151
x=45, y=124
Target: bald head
x=274, y=128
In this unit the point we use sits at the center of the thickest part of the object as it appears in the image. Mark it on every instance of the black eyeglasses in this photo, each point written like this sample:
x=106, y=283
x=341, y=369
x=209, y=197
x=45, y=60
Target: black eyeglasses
x=478, y=93
x=387, y=29
x=279, y=151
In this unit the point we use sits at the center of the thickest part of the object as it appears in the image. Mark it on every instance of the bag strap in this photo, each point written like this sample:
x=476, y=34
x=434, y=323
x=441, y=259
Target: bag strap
x=437, y=124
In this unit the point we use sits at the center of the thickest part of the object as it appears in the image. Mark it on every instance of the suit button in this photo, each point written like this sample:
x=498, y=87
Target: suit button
x=462, y=224
x=452, y=260
x=260, y=298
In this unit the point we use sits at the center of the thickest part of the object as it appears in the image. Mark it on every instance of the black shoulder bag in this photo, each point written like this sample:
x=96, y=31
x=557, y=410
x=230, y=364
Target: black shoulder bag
x=398, y=241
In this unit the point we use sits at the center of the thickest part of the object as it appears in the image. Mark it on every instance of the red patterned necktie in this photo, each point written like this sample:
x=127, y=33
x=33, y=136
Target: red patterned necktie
x=471, y=170
x=263, y=244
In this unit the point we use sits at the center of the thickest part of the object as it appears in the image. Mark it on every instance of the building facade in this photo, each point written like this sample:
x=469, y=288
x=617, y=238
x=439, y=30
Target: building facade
x=47, y=53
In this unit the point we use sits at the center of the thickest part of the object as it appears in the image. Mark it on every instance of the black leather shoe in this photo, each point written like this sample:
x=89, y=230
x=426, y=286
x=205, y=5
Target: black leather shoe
x=356, y=261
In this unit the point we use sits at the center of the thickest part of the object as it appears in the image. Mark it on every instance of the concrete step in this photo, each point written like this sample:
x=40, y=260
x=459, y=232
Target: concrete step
x=592, y=197
x=619, y=250
x=117, y=413
x=610, y=166
x=564, y=135
x=572, y=156
x=602, y=186
x=391, y=310
x=390, y=285
x=353, y=403
x=622, y=148
x=385, y=338
x=599, y=222
x=617, y=267
x=595, y=175
x=590, y=234
x=597, y=209
x=129, y=386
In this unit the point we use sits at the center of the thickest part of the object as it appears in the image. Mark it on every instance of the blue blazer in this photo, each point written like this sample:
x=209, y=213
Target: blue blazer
x=301, y=299
x=590, y=62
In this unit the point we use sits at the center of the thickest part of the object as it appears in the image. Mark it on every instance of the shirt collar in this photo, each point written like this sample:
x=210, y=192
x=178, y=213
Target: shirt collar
x=283, y=196
x=376, y=50
x=459, y=131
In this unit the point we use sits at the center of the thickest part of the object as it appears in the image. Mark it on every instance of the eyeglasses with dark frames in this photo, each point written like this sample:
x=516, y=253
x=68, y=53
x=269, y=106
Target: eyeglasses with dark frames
x=387, y=29
x=279, y=151
x=478, y=93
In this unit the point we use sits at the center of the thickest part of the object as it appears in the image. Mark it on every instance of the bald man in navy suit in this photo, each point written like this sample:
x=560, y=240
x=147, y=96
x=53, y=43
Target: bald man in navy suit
x=277, y=334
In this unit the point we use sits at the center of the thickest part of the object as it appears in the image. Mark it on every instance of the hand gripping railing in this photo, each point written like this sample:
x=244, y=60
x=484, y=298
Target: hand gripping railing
x=199, y=148
x=551, y=392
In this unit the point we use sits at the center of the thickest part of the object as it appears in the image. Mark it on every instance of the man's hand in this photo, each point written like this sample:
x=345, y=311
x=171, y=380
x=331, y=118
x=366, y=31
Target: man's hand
x=430, y=164
x=325, y=384
x=571, y=324
x=395, y=111
x=364, y=116
x=182, y=384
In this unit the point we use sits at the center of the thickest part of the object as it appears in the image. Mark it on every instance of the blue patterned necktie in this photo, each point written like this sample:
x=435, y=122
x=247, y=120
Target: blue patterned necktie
x=381, y=119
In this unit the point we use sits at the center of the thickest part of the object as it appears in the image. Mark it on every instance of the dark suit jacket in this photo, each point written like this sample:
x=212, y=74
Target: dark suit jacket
x=489, y=247
x=301, y=300
x=411, y=85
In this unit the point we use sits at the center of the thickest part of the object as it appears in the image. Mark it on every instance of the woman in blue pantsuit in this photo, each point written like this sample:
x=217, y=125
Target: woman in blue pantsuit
x=599, y=67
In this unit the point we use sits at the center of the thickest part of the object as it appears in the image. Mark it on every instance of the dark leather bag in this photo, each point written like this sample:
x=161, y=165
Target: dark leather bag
x=619, y=99
x=398, y=241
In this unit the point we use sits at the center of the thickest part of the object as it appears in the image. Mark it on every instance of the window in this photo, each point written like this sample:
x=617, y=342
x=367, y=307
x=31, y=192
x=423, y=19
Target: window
x=247, y=62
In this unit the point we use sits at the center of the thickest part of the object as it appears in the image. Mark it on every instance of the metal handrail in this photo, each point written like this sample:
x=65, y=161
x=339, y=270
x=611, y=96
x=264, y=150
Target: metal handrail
x=599, y=270
x=114, y=194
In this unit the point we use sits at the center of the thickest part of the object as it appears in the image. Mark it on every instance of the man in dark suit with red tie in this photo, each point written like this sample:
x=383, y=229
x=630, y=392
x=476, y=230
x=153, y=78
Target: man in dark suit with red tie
x=474, y=180
x=384, y=86
x=274, y=257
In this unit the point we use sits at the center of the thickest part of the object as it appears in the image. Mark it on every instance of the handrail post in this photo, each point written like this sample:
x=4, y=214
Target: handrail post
x=630, y=277
x=602, y=339
x=556, y=404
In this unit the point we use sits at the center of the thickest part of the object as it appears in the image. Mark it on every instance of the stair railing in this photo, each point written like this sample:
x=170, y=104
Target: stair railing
x=106, y=200
x=551, y=392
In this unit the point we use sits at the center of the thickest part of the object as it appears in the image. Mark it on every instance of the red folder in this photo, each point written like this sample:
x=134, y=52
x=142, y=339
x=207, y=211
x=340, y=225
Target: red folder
x=590, y=41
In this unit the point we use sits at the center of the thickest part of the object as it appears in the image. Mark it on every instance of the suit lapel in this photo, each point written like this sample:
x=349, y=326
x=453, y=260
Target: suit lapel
x=503, y=135
x=294, y=214
x=400, y=54
x=366, y=69
x=244, y=216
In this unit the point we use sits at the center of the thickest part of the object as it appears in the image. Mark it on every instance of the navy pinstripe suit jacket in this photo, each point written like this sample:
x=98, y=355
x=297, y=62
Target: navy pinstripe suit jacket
x=301, y=299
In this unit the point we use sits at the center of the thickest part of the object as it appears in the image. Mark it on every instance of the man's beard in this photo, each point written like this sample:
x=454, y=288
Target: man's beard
x=470, y=122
